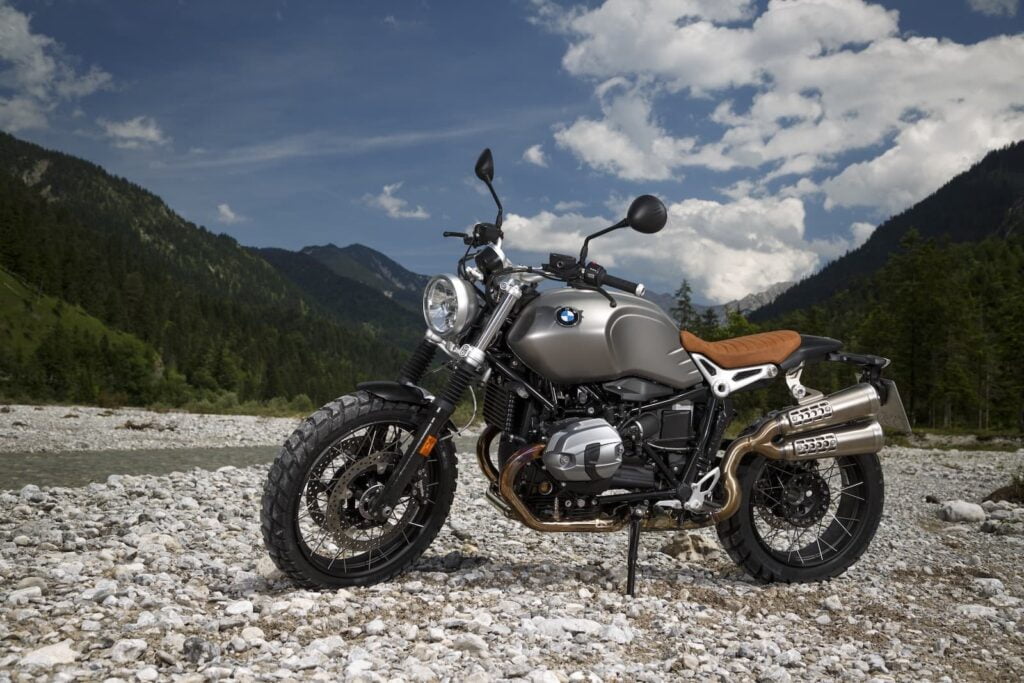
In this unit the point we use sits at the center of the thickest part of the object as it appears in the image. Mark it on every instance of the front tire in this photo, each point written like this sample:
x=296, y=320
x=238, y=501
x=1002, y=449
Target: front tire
x=804, y=522
x=312, y=514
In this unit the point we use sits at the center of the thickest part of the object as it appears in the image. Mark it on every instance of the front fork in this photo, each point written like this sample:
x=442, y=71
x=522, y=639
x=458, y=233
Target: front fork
x=471, y=361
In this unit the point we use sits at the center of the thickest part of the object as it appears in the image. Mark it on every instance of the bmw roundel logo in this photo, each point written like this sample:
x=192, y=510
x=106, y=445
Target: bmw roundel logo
x=567, y=316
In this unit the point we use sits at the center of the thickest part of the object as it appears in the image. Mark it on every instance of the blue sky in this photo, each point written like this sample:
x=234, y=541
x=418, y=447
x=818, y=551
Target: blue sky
x=778, y=134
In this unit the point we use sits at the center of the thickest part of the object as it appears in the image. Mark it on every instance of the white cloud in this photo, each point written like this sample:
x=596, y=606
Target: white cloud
x=393, y=206
x=726, y=250
x=35, y=74
x=820, y=81
x=568, y=206
x=861, y=232
x=227, y=215
x=535, y=155
x=139, y=132
x=994, y=8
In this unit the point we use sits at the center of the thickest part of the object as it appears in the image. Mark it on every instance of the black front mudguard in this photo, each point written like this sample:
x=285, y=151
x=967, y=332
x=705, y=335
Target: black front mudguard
x=396, y=391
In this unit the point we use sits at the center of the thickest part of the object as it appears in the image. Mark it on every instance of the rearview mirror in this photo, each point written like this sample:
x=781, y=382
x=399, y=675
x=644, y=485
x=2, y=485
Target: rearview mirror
x=485, y=166
x=646, y=214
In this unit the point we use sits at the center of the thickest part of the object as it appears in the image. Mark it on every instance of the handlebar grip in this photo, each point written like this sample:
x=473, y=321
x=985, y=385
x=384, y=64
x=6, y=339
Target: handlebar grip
x=625, y=285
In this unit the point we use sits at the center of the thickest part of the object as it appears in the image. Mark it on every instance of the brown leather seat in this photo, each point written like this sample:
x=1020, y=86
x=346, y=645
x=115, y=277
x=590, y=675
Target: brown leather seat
x=739, y=352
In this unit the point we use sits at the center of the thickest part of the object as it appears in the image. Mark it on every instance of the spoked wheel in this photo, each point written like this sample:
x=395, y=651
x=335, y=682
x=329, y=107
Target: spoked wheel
x=316, y=516
x=804, y=521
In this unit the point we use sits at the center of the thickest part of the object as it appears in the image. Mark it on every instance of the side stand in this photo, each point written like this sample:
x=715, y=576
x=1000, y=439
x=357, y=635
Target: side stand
x=634, y=547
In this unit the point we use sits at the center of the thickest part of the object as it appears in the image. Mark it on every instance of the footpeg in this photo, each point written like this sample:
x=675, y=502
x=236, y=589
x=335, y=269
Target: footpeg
x=702, y=489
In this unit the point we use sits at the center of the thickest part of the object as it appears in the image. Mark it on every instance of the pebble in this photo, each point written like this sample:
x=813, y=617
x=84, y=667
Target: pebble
x=962, y=511
x=143, y=585
x=832, y=603
x=239, y=607
x=375, y=627
x=50, y=655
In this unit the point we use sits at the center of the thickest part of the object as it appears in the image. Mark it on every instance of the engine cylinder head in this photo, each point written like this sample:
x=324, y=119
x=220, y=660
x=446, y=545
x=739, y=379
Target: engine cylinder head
x=584, y=450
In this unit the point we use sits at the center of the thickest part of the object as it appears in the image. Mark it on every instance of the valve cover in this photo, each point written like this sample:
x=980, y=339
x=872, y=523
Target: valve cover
x=583, y=450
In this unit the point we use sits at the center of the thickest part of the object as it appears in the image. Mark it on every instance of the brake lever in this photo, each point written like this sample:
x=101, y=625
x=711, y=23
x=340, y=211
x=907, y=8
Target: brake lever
x=594, y=288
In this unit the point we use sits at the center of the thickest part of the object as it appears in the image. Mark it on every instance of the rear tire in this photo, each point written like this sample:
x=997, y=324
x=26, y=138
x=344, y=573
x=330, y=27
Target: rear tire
x=295, y=499
x=828, y=531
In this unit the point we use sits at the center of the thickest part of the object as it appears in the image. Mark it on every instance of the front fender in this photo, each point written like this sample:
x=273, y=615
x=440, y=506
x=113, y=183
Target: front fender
x=396, y=391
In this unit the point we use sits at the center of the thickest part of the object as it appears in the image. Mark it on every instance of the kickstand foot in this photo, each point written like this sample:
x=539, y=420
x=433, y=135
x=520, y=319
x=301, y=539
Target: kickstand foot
x=634, y=548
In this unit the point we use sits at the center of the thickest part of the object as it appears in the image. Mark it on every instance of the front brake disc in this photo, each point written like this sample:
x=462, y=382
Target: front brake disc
x=347, y=511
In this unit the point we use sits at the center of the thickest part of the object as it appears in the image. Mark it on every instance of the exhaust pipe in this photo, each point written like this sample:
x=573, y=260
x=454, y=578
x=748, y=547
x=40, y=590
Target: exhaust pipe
x=817, y=430
x=483, y=453
x=506, y=488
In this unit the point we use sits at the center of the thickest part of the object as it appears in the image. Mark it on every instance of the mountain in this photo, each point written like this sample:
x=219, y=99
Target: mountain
x=348, y=300
x=757, y=300
x=986, y=200
x=219, y=318
x=374, y=269
x=744, y=305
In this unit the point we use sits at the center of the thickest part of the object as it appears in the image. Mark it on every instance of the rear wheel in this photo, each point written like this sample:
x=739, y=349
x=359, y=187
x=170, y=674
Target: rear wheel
x=315, y=513
x=805, y=521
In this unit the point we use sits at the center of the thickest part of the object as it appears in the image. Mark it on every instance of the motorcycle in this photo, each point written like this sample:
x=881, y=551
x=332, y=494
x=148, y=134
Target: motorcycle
x=600, y=414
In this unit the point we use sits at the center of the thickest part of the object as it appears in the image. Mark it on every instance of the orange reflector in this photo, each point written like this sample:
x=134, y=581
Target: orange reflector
x=428, y=446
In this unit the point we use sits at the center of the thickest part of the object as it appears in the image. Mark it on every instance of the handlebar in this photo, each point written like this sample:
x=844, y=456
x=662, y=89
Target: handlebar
x=625, y=285
x=597, y=276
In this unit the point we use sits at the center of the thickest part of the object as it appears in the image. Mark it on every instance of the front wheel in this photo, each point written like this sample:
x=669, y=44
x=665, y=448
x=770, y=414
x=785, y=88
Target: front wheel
x=804, y=521
x=315, y=512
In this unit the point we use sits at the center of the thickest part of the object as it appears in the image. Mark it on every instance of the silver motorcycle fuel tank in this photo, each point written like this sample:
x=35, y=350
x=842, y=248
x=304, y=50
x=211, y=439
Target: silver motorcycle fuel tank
x=572, y=336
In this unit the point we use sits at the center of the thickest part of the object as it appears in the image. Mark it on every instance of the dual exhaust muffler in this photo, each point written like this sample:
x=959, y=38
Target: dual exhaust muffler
x=840, y=424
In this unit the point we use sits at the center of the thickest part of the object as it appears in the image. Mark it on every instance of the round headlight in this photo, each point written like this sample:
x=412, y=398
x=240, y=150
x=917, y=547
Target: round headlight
x=449, y=305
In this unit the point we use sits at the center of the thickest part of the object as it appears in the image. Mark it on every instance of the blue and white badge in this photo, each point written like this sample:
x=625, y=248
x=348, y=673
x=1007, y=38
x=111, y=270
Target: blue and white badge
x=567, y=316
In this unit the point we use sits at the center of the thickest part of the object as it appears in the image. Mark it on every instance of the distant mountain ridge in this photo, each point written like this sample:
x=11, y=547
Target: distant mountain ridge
x=374, y=269
x=744, y=305
x=212, y=318
x=985, y=200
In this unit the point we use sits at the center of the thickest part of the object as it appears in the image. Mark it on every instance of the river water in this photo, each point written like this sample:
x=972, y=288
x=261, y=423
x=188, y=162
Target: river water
x=79, y=468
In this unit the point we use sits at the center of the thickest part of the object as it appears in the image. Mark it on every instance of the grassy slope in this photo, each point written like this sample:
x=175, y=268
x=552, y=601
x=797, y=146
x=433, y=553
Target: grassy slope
x=27, y=317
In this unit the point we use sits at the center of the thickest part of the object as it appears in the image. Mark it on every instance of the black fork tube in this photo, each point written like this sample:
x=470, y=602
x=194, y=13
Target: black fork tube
x=443, y=406
x=416, y=366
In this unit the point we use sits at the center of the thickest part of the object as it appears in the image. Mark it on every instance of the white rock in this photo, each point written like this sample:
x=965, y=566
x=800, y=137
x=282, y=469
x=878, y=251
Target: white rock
x=239, y=607
x=128, y=650
x=470, y=642
x=100, y=591
x=23, y=595
x=266, y=568
x=832, y=603
x=375, y=627
x=147, y=673
x=330, y=646
x=989, y=587
x=51, y=655
x=962, y=511
x=977, y=611
x=253, y=634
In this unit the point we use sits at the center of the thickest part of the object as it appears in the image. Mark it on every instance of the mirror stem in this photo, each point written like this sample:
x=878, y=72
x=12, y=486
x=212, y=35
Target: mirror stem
x=586, y=242
x=501, y=210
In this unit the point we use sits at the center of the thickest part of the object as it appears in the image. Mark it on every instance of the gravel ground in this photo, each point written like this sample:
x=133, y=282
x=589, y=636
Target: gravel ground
x=75, y=428
x=165, y=577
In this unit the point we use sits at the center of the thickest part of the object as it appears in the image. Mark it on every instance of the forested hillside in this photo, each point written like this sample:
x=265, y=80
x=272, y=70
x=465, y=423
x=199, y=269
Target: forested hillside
x=949, y=316
x=211, y=317
x=374, y=270
x=348, y=299
x=986, y=200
